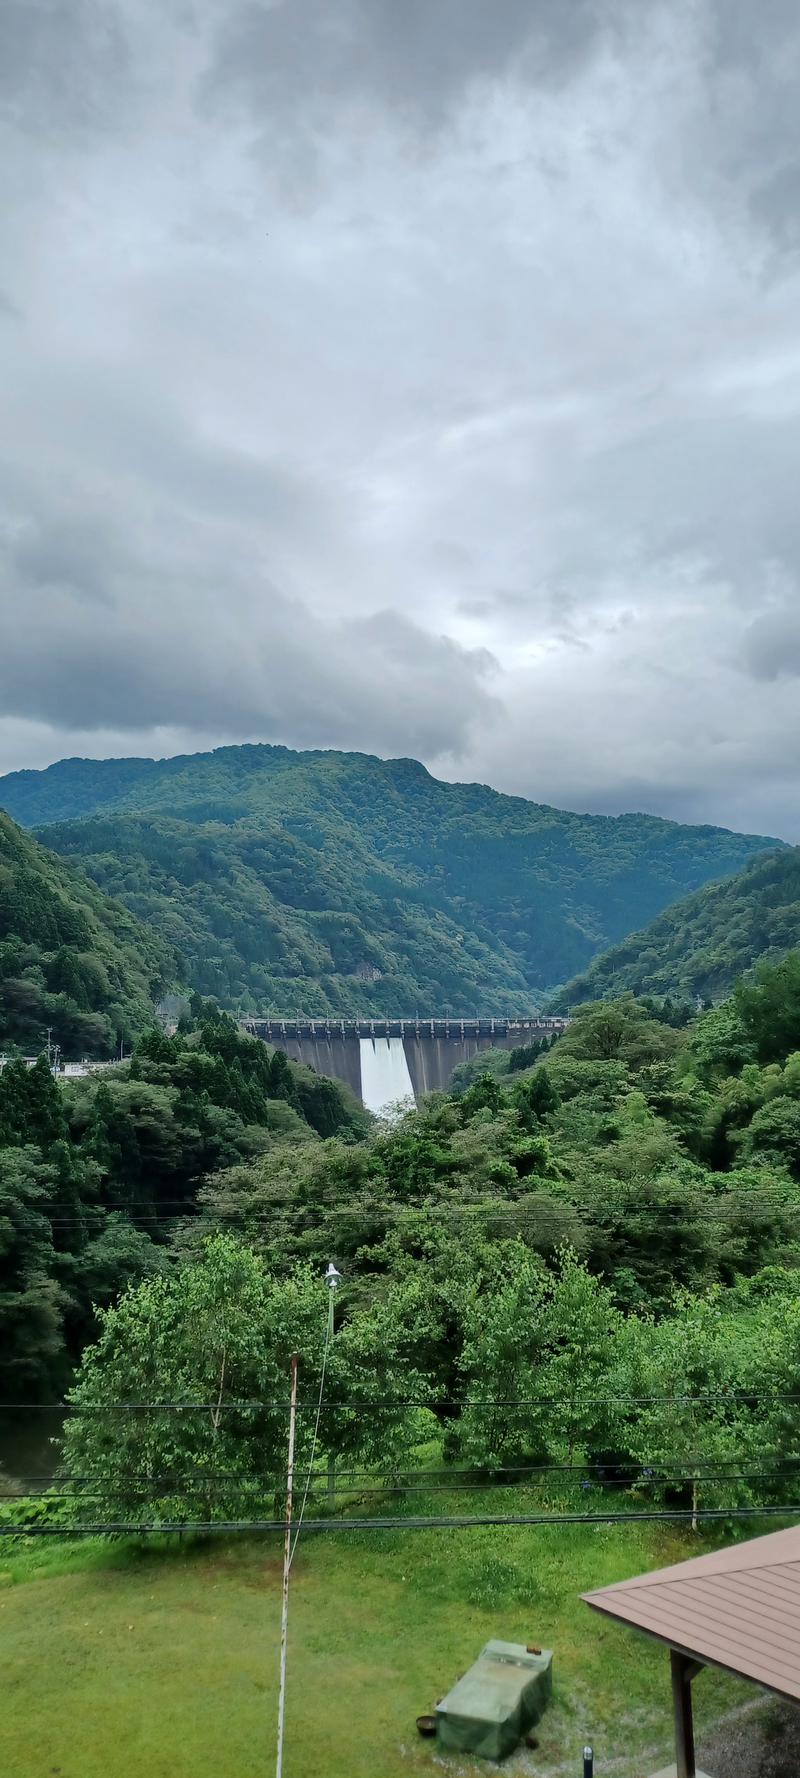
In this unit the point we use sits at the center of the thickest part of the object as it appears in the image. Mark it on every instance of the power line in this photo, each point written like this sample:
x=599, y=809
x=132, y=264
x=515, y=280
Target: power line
x=448, y=1522
x=690, y=1468
x=659, y=1478
x=390, y=1403
x=654, y=1214
x=537, y=1181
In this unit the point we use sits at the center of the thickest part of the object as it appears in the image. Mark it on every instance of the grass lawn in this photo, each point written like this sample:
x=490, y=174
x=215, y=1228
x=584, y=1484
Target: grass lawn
x=118, y=1661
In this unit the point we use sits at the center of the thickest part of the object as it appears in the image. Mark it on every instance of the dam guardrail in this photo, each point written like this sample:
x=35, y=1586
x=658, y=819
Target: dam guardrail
x=327, y=1029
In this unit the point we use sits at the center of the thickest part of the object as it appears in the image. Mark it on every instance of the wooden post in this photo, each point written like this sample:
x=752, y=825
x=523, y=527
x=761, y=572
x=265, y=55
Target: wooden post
x=287, y=1561
x=683, y=1672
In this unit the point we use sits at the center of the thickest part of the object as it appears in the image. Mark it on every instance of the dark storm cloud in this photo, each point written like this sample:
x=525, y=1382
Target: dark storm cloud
x=415, y=375
x=95, y=639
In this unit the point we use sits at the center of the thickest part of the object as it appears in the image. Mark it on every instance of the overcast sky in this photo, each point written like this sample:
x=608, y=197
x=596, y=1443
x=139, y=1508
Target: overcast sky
x=417, y=376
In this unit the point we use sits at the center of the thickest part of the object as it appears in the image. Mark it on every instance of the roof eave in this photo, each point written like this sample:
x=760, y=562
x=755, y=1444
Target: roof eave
x=684, y=1648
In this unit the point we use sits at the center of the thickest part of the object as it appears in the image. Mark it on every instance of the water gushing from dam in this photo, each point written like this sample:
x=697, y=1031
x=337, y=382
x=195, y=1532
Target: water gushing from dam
x=385, y=1078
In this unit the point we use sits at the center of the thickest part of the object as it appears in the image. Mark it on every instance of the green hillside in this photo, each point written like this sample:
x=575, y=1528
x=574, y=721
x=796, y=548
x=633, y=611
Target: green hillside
x=340, y=882
x=70, y=958
x=699, y=946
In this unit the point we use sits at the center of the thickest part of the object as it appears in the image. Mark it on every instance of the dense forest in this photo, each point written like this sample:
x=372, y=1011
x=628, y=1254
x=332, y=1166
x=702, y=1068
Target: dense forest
x=699, y=947
x=71, y=960
x=343, y=883
x=95, y=1173
x=590, y=1264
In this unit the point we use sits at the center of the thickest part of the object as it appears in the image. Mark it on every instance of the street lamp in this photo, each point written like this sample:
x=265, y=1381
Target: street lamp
x=332, y=1279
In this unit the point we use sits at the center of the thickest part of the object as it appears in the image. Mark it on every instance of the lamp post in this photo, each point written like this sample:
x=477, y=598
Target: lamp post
x=332, y=1279
x=588, y=1762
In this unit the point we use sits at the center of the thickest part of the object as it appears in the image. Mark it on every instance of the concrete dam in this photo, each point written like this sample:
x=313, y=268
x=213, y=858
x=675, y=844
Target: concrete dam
x=389, y=1062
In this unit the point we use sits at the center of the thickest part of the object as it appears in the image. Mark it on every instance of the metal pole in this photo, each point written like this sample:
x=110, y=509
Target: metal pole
x=332, y=1279
x=588, y=1762
x=331, y=1453
x=287, y=1557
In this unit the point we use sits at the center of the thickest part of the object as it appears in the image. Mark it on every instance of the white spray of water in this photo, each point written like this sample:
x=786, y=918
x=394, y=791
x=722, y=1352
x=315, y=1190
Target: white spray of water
x=385, y=1080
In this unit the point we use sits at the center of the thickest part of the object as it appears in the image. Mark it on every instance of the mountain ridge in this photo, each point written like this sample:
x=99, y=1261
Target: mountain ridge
x=340, y=882
x=30, y=811
x=700, y=945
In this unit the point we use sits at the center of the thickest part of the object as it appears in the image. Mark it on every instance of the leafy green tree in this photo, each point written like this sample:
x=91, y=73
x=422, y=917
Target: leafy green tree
x=487, y=1061
x=536, y=1097
x=524, y=1056
x=697, y=1437
x=769, y=1008
x=536, y=1355
x=31, y=1110
x=32, y=1302
x=155, y=1045
x=117, y=1257
x=719, y=1044
x=618, y=1030
x=483, y=1095
x=774, y=1134
x=216, y=1335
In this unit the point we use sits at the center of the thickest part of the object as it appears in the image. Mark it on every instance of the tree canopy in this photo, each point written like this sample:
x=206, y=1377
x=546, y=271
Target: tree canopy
x=700, y=946
x=71, y=960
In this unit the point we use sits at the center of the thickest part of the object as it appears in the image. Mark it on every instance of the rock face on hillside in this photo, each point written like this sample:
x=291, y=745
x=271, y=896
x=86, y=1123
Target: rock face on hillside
x=332, y=882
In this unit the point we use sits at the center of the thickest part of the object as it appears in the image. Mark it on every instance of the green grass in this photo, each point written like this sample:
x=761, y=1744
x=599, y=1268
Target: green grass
x=118, y=1661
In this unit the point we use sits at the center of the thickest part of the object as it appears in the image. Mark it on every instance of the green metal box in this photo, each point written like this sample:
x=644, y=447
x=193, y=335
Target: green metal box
x=502, y=1695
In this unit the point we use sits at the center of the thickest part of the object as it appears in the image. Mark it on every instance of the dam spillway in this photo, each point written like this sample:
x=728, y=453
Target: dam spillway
x=387, y=1062
x=386, y=1083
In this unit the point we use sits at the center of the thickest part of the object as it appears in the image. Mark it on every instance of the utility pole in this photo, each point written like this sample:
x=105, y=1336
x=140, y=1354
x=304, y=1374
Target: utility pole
x=332, y=1279
x=287, y=1558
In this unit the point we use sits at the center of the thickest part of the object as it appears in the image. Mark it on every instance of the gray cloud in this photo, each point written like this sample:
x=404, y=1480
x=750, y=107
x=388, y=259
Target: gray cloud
x=423, y=378
x=775, y=205
x=772, y=643
x=95, y=641
x=64, y=65
x=417, y=57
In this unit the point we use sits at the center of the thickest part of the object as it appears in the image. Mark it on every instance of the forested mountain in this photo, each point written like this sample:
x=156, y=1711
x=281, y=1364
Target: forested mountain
x=340, y=882
x=703, y=943
x=94, y=1173
x=605, y=1244
x=70, y=958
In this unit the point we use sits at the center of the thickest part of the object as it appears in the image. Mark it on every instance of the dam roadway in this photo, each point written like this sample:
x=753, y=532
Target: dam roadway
x=389, y=1061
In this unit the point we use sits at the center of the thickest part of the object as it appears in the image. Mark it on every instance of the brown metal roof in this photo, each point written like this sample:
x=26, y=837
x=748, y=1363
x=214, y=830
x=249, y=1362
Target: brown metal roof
x=738, y=1609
